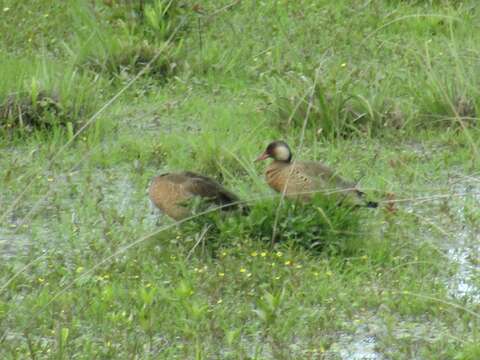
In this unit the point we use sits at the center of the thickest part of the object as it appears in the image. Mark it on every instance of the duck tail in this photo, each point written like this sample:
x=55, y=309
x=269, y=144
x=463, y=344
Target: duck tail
x=245, y=209
x=369, y=204
x=232, y=202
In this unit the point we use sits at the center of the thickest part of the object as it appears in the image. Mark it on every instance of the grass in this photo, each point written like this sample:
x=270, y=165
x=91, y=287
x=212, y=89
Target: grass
x=86, y=272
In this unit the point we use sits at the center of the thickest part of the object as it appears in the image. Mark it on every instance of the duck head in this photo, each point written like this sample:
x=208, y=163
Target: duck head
x=278, y=151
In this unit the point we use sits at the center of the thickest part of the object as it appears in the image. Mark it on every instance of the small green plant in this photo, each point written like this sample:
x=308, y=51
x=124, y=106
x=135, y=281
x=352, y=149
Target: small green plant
x=149, y=19
x=269, y=306
x=162, y=18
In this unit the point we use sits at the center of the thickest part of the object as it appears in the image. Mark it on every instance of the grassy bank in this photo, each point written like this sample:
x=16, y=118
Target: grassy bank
x=388, y=94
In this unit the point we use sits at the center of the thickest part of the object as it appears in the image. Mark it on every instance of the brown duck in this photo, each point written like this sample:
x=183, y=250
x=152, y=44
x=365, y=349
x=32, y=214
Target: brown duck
x=302, y=179
x=171, y=193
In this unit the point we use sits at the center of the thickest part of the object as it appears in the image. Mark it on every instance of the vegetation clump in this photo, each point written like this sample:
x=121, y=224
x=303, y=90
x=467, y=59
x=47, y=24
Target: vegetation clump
x=39, y=95
x=29, y=113
x=318, y=226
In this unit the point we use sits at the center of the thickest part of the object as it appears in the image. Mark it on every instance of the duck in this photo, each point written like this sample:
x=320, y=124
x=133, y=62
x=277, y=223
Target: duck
x=301, y=180
x=171, y=193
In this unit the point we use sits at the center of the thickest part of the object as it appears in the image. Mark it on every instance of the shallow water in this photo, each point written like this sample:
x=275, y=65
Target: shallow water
x=358, y=346
x=462, y=284
x=464, y=249
x=12, y=243
x=113, y=190
x=461, y=247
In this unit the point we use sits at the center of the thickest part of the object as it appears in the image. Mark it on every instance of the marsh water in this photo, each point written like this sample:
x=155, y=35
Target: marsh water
x=459, y=240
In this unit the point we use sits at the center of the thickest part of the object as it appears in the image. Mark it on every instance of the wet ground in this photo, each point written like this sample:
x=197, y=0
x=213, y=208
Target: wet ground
x=455, y=233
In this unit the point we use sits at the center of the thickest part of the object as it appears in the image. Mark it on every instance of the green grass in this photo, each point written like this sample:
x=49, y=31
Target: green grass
x=388, y=92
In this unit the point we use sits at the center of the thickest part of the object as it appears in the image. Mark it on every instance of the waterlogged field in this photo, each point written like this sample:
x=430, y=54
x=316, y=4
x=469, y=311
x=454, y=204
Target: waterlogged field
x=98, y=97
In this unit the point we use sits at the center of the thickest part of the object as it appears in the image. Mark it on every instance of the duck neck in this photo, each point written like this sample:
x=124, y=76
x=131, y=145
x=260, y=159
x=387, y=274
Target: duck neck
x=276, y=166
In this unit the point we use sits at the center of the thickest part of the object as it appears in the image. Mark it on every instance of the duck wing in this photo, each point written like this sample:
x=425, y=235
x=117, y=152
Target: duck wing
x=324, y=177
x=208, y=188
x=322, y=174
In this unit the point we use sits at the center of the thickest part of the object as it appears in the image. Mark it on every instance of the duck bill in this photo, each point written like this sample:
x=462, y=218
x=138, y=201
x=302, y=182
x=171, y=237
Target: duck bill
x=262, y=157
